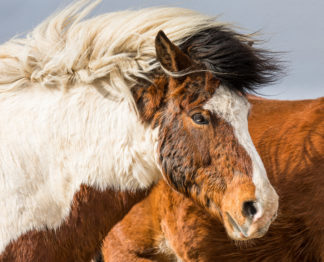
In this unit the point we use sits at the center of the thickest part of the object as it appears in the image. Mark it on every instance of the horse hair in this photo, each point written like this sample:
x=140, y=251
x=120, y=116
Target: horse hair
x=232, y=59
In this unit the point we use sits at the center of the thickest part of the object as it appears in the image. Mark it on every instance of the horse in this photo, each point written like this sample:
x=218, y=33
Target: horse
x=289, y=135
x=95, y=111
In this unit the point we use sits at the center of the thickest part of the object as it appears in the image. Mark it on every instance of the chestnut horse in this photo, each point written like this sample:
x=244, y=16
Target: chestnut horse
x=94, y=112
x=167, y=226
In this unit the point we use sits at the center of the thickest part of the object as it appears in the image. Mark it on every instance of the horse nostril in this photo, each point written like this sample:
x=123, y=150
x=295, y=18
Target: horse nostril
x=249, y=209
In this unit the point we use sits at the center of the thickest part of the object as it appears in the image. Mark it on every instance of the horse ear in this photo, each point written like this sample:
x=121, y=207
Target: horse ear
x=169, y=55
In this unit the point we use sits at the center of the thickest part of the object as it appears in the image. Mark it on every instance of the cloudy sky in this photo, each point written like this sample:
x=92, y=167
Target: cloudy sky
x=295, y=27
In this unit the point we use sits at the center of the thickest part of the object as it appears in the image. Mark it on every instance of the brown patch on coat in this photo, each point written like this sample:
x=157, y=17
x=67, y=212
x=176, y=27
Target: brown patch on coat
x=93, y=214
x=149, y=99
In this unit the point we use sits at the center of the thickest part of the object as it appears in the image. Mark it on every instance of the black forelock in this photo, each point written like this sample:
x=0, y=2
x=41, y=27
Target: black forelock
x=232, y=58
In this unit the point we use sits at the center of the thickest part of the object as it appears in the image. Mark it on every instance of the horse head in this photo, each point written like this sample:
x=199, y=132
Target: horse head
x=204, y=147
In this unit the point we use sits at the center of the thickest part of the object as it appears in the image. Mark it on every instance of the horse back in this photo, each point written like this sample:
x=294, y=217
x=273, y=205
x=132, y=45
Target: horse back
x=289, y=135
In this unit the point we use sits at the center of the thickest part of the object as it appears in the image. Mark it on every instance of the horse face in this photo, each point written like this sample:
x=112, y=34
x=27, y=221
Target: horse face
x=205, y=149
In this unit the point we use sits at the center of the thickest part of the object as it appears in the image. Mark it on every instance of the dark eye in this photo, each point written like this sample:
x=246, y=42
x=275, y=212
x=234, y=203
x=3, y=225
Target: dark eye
x=199, y=119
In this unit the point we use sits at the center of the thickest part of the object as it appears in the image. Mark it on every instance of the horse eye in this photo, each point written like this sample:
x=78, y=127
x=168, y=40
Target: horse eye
x=199, y=119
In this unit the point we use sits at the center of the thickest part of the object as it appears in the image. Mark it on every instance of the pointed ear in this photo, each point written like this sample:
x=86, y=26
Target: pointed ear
x=169, y=55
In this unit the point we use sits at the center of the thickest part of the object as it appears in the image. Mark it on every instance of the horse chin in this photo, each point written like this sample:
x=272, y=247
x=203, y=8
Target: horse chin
x=233, y=229
x=244, y=232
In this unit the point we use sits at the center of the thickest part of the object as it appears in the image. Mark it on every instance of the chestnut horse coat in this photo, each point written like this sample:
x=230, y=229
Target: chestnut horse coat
x=289, y=135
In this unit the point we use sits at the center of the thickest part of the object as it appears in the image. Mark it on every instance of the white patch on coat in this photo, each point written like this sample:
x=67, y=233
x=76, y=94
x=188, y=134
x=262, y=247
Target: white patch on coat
x=234, y=108
x=53, y=141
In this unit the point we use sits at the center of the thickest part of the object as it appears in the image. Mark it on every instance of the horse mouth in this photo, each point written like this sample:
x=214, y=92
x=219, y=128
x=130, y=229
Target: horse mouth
x=239, y=232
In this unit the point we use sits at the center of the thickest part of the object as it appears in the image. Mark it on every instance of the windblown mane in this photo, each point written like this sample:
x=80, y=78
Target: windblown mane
x=118, y=48
x=231, y=57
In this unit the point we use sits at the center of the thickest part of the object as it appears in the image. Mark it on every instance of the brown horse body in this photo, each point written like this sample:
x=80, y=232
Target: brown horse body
x=289, y=136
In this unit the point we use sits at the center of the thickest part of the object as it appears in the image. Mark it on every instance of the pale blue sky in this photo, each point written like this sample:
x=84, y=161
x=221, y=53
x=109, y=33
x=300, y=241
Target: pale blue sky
x=293, y=26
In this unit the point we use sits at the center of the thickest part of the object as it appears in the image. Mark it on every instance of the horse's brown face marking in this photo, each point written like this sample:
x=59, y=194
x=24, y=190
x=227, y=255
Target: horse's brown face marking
x=199, y=160
x=198, y=146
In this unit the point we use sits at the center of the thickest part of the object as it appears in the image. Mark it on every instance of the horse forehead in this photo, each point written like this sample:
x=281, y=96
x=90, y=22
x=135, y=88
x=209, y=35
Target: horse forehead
x=228, y=105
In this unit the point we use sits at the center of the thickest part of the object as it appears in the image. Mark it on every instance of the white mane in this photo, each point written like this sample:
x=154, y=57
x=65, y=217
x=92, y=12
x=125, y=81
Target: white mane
x=64, y=50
